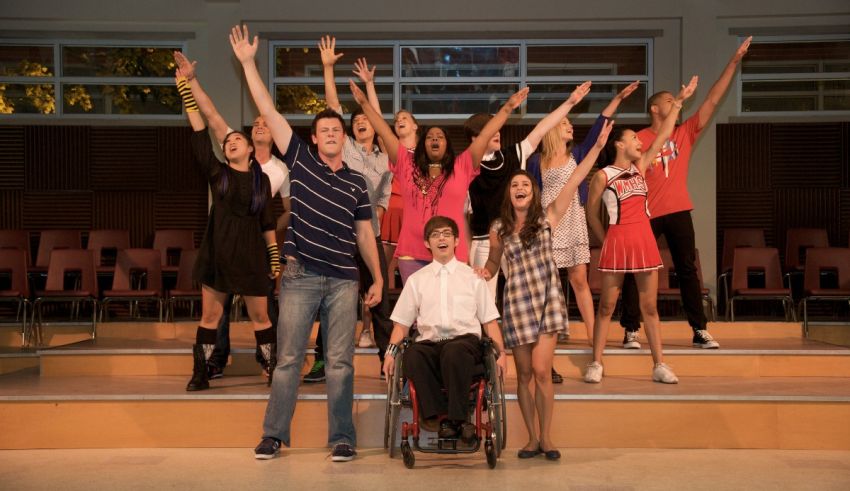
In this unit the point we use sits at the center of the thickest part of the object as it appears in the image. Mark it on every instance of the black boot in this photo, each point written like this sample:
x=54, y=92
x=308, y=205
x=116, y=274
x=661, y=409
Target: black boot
x=199, y=379
x=266, y=353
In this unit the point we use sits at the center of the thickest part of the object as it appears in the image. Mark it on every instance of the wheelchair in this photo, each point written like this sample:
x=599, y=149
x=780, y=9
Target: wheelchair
x=487, y=411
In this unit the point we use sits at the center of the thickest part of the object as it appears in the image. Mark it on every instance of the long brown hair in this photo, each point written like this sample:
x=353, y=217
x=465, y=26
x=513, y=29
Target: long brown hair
x=533, y=220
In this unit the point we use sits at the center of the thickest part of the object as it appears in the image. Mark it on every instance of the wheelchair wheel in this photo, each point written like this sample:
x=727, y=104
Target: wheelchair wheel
x=407, y=455
x=503, y=407
x=490, y=451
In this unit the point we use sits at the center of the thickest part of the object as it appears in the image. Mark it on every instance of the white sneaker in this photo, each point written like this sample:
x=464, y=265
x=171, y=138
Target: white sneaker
x=630, y=340
x=664, y=374
x=593, y=375
x=366, y=339
x=702, y=339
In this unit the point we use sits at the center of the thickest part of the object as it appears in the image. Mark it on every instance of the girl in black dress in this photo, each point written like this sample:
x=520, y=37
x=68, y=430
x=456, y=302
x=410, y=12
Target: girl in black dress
x=239, y=253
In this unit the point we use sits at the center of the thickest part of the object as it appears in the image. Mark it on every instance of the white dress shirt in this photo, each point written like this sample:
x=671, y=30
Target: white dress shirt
x=445, y=301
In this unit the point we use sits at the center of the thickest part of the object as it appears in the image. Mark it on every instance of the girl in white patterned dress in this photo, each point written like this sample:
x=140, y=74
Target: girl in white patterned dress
x=534, y=309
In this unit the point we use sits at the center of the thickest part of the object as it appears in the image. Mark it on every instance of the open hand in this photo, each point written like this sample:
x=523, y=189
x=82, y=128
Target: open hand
x=359, y=96
x=628, y=90
x=185, y=67
x=327, y=45
x=579, y=93
x=688, y=90
x=742, y=49
x=361, y=69
x=515, y=100
x=603, y=134
x=243, y=48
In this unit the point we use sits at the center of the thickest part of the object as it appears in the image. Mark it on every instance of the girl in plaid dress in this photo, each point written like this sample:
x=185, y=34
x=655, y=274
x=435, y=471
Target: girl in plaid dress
x=534, y=309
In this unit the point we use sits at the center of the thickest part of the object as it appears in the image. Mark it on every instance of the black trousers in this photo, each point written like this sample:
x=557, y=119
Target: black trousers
x=222, y=341
x=382, y=326
x=450, y=364
x=678, y=229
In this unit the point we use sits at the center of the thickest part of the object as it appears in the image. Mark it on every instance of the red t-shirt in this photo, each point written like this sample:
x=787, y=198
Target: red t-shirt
x=667, y=175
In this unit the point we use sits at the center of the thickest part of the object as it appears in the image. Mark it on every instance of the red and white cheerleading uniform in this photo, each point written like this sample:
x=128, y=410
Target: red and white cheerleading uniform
x=629, y=245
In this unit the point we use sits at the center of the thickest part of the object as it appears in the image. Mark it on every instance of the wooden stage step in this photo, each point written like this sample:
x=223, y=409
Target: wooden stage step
x=766, y=387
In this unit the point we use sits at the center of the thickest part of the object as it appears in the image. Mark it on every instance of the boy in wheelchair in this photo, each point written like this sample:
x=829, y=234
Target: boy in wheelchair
x=449, y=303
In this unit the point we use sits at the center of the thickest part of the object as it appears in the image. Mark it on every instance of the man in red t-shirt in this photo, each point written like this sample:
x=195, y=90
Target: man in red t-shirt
x=670, y=204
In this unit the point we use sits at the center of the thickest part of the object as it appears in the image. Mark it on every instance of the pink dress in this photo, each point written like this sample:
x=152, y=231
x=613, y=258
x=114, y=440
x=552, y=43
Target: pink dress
x=424, y=199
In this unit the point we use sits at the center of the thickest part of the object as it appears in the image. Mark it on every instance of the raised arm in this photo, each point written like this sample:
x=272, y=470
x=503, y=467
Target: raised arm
x=327, y=46
x=382, y=129
x=217, y=124
x=555, y=117
x=706, y=110
x=594, y=205
x=367, y=75
x=479, y=145
x=556, y=209
x=191, y=107
x=612, y=106
x=245, y=50
x=667, y=126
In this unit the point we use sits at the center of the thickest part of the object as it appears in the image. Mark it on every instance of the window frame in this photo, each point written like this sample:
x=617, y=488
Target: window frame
x=521, y=80
x=793, y=76
x=57, y=80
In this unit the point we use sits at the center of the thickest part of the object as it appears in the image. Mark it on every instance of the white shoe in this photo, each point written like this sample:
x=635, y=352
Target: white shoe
x=630, y=340
x=366, y=339
x=664, y=374
x=593, y=375
x=702, y=339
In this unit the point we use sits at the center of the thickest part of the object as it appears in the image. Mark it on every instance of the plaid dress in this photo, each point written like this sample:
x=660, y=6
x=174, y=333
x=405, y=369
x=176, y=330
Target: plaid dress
x=533, y=300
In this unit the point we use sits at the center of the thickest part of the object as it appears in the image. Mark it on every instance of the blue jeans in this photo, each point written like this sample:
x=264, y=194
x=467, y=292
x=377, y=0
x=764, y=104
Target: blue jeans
x=303, y=294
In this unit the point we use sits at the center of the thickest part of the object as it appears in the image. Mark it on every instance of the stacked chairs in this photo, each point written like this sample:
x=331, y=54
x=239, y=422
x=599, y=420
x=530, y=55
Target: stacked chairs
x=107, y=240
x=53, y=239
x=766, y=261
x=169, y=241
x=143, y=262
x=14, y=263
x=84, y=289
x=666, y=292
x=16, y=239
x=820, y=260
x=734, y=238
x=185, y=290
x=487, y=412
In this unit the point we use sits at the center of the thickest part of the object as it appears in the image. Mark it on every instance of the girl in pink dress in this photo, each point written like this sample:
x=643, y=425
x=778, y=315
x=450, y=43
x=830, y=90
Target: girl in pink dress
x=432, y=180
x=629, y=245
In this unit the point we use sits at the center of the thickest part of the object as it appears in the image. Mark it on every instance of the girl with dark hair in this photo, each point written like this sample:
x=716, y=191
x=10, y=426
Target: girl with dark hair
x=534, y=310
x=239, y=252
x=629, y=245
x=433, y=180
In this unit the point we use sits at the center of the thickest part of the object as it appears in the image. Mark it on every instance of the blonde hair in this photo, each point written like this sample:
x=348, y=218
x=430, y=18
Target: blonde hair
x=550, y=145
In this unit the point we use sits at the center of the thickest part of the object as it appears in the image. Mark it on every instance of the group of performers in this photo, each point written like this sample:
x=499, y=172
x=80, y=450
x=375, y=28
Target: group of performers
x=498, y=209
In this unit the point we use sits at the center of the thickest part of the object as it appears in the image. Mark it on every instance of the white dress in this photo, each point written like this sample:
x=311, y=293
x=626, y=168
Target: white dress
x=570, y=244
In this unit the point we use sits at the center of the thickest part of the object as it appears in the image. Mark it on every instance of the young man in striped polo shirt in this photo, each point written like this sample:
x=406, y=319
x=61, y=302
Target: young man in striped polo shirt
x=330, y=223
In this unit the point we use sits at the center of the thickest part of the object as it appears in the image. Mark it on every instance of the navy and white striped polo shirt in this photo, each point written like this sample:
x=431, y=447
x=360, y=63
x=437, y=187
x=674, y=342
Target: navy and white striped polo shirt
x=325, y=205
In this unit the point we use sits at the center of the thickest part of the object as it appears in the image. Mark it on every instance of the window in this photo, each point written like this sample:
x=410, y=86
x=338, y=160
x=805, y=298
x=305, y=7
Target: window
x=798, y=75
x=89, y=79
x=450, y=80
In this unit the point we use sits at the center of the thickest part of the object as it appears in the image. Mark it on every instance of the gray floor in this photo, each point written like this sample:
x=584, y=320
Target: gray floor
x=579, y=470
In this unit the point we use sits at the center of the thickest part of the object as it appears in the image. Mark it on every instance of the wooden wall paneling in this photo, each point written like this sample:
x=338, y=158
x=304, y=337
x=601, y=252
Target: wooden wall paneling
x=124, y=159
x=806, y=154
x=743, y=157
x=844, y=229
x=175, y=163
x=180, y=210
x=12, y=157
x=57, y=158
x=738, y=209
x=131, y=211
x=11, y=213
x=57, y=210
x=845, y=155
x=805, y=207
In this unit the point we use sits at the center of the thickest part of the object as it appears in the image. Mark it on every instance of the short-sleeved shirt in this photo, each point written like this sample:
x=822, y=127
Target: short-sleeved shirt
x=446, y=301
x=374, y=166
x=487, y=191
x=325, y=207
x=276, y=171
x=420, y=205
x=667, y=174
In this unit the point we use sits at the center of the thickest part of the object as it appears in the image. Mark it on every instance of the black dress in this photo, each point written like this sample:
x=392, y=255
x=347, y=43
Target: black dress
x=232, y=257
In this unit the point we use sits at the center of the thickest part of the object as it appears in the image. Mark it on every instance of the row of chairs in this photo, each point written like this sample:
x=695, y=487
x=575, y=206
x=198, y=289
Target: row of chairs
x=137, y=278
x=807, y=253
x=166, y=241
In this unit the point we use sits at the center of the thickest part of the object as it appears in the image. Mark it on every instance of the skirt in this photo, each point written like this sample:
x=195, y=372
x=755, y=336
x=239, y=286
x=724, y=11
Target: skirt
x=630, y=248
x=391, y=222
